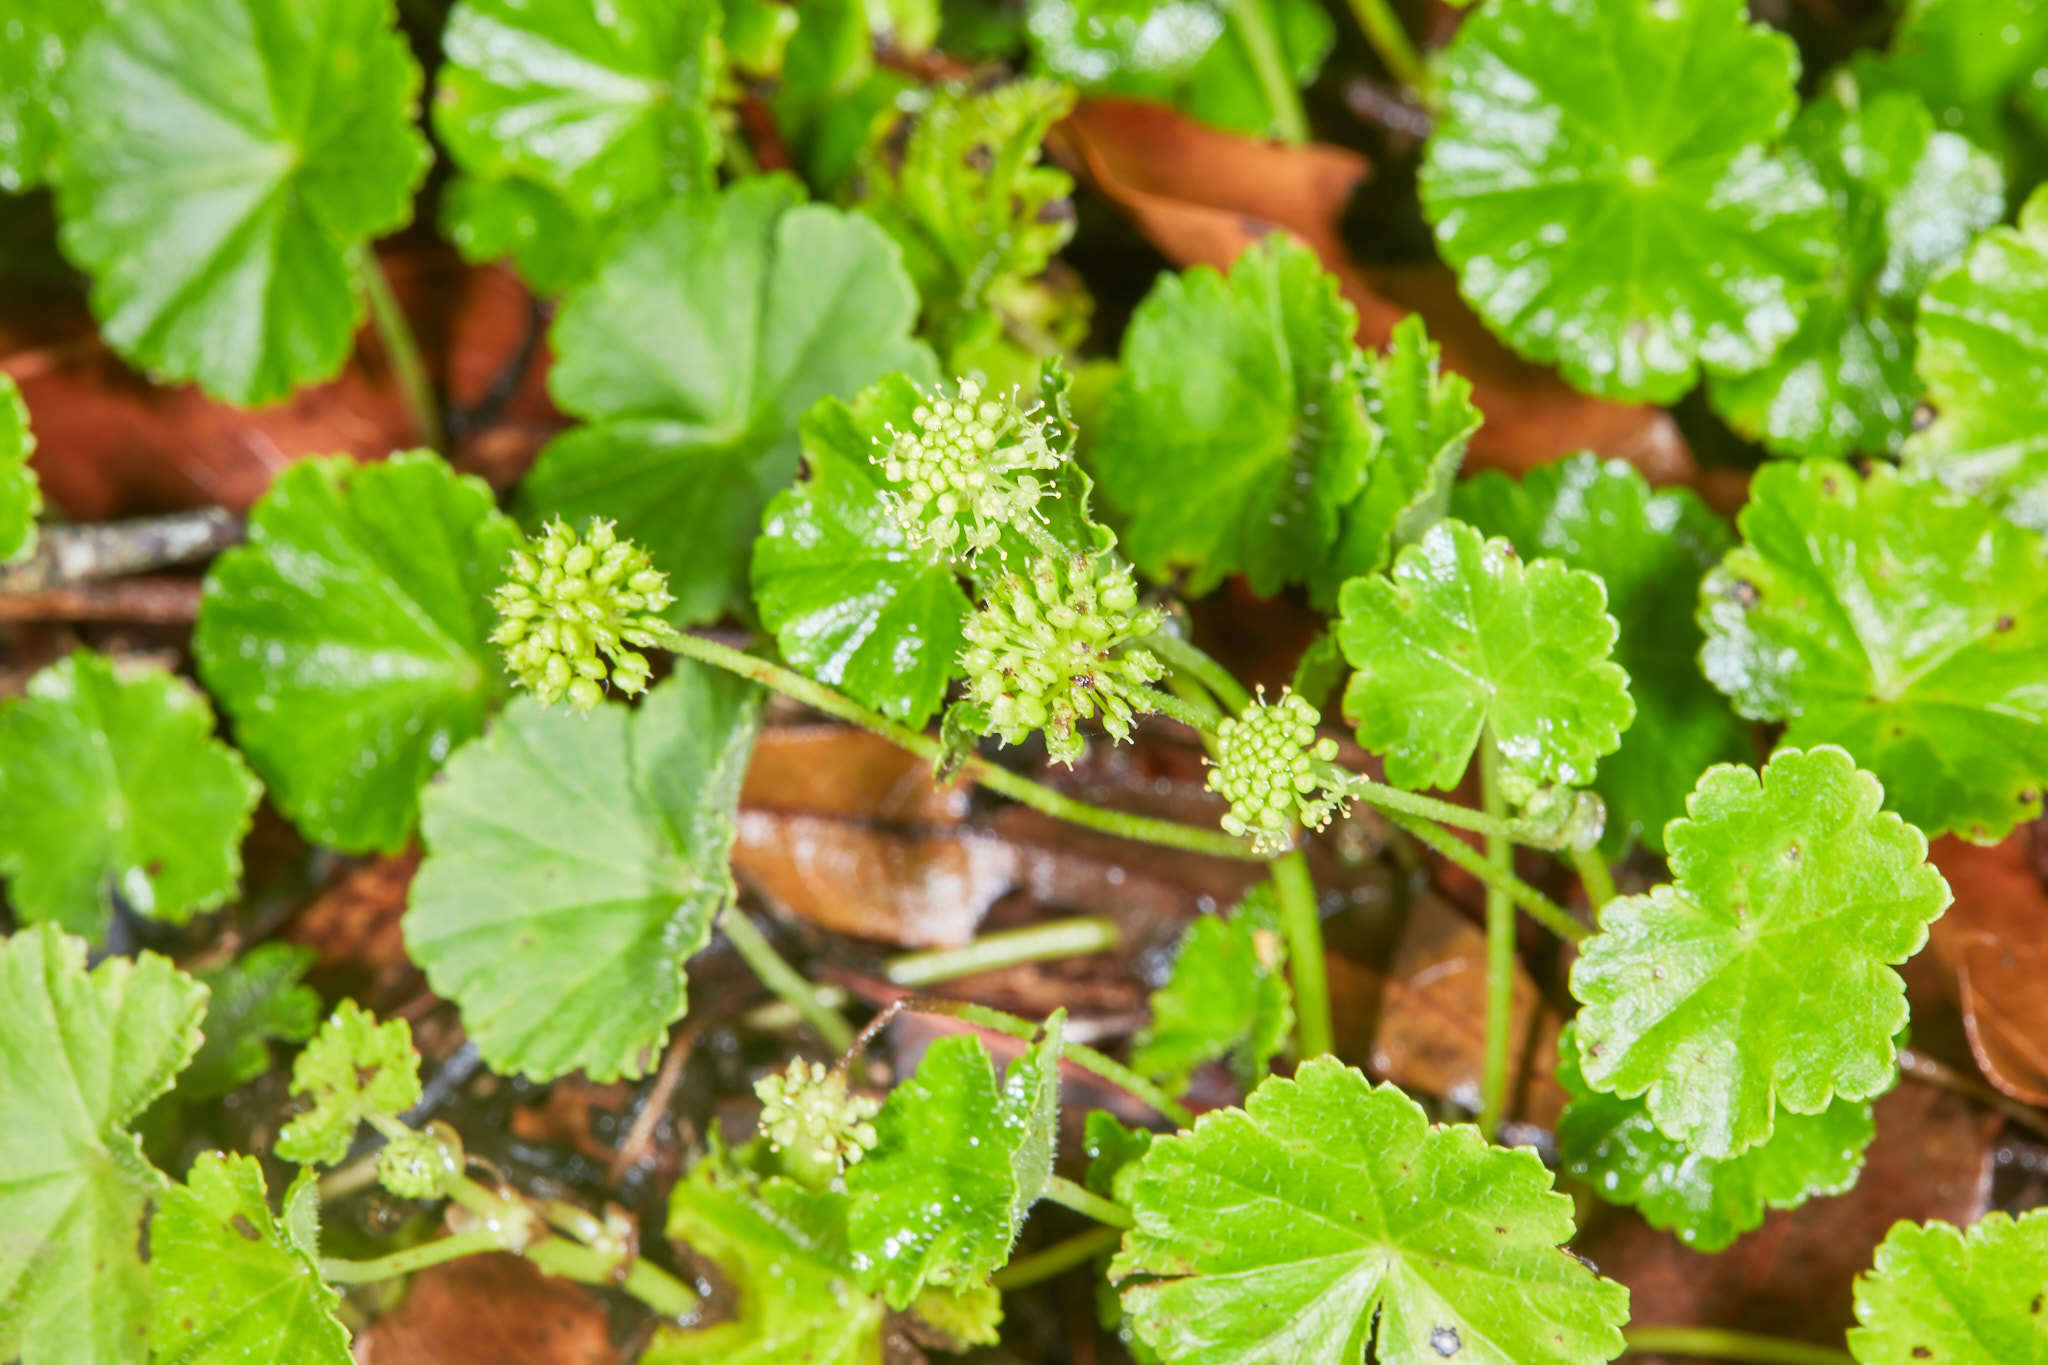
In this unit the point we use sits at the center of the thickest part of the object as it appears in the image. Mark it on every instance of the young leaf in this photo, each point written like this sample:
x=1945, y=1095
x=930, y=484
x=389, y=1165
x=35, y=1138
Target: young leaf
x=1461, y=640
x=349, y=639
x=1760, y=977
x=116, y=789
x=607, y=105
x=1593, y=156
x=220, y=222
x=1939, y=1296
x=35, y=43
x=1983, y=344
x=747, y=308
x=1227, y=997
x=580, y=860
x=1237, y=431
x=1907, y=625
x=1612, y=1145
x=958, y=1164
x=1650, y=550
x=852, y=602
x=235, y=1284
x=1327, y=1215
x=1906, y=200
x=21, y=497
x=493, y=220
x=355, y=1069
x=251, y=1001
x=81, y=1054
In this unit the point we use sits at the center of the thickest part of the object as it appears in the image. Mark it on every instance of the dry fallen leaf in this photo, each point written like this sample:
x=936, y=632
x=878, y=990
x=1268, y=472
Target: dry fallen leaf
x=1995, y=939
x=489, y=1310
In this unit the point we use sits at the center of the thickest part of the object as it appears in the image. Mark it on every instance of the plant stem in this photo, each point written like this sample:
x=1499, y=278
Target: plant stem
x=1500, y=952
x=1254, y=29
x=1182, y=656
x=1382, y=796
x=1143, y=828
x=1196, y=718
x=1382, y=28
x=1056, y=1259
x=412, y=1258
x=1454, y=850
x=1008, y=948
x=1087, y=1203
x=401, y=350
x=1301, y=924
x=1716, y=1343
x=785, y=981
x=647, y=1282
x=1595, y=876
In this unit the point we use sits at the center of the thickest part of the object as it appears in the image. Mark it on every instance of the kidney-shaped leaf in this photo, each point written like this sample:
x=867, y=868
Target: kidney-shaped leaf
x=1941, y=1296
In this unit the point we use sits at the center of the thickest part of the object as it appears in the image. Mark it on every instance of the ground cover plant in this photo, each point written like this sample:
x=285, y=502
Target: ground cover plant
x=1040, y=680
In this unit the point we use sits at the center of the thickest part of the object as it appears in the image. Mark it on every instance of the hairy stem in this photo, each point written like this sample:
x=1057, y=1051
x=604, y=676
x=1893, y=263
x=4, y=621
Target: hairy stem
x=1301, y=924
x=1595, y=876
x=785, y=981
x=1381, y=796
x=1500, y=952
x=412, y=1258
x=1182, y=656
x=1253, y=25
x=647, y=1282
x=1057, y=1259
x=1382, y=28
x=402, y=350
x=1077, y=937
x=1196, y=718
x=1087, y=1203
x=1455, y=851
x=1716, y=1343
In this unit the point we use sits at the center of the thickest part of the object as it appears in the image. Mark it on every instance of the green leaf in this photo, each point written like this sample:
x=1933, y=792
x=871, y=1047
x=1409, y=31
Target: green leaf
x=958, y=1163
x=1938, y=1296
x=607, y=105
x=740, y=311
x=349, y=640
x=851, y=602
x=1224, y=89
x=233, y=1283
x=116, y=788
x=1906, y=200
x=580, y=860
x=218, y=220
x=1237, y=431
x=1227, y=997
x=1760, y=977
x=525, y=222
x=1983, y=345
x=1904, y=624
x=21, y=497
x=1326, y=1215
x=35, y=44
x=1112, y=1150
x=354, y=1070
x=1650, y=550
x=81, y=1054
x=1602, y=181
x=1461, y=640
x=1976, y=64
x=1612, y=1145
x=252, y=1001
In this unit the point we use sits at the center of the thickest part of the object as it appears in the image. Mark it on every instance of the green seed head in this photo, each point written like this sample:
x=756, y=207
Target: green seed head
x=809, y=1110
x=570, y=611
x=966, y=467
x=420, y=1165
x=1265, y=766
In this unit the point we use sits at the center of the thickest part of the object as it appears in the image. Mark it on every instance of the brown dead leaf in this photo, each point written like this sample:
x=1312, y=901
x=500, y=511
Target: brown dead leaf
x=828, y=769
x=353, y=928
x=490, y=1310
x=1995, y=939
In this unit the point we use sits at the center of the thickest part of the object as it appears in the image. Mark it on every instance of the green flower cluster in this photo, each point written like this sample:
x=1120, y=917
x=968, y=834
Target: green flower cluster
x=1265, y=766
x=966, y=469
x=1052, y=648
x=570, y=601
x=808, y=1111
x=420, y=1165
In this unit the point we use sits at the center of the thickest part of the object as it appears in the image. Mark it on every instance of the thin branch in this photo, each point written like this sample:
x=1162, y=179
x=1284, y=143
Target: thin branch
x=69, y=555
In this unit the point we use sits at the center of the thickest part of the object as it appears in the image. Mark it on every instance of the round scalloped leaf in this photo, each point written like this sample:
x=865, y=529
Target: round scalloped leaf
x=1649, y=549
x=580, y=860
x=744, y=310
x=1906, y=200
x=349, y=639
x=1761, y=976
x=1327, y=1214
x=1937, y=1296
x=35, y=43
x=1905, y=624
x=1983, y=348
x=116, y=789
x=1461, y=640
x=524, y=222
x=81, y=1054
x=1603, y=182
x=1237, y=431
x=608, y=105
x=1227, y=997
x=851, y=602
x=218, y=218
x=21, y=497
x=1612, y=1146
x=1977, y=65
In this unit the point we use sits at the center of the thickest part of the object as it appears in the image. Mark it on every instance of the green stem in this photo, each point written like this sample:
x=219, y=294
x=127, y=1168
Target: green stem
x=1717, y=1343
x=1144, y=829
x=1457, y=852
x=1056, y=1259
x=1301, y=924
x=1196, y=718
x=1087, y=1058
x=1078, y=937
x=1254, y=29
x=343, y=1181
x=1500, y=952
x=401, y=350
x=1085, y=1202
x=647, y=1282
x=1182, y=656
x=411, y=1259
x=1381, y=796
x=1382, y=28
x=1596, y=876
x=785, y=981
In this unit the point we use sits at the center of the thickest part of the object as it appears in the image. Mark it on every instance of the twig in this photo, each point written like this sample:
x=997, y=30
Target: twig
x=69, y=555
x=1928, y=1071
x=640, y=1136
x=127, y=601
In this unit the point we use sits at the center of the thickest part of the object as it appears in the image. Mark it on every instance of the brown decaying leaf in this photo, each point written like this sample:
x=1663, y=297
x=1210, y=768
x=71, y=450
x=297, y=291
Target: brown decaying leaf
x=490, y=1310
x=1995, y=939
x=353, y=928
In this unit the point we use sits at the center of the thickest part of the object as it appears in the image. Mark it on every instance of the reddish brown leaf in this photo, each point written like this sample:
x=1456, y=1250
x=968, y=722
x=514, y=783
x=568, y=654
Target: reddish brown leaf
x=490, y=1310
x=353, y=928
x=1995, y=939
x=828, y=769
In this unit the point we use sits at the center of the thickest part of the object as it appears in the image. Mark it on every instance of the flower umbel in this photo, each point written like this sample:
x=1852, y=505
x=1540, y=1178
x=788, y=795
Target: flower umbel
x=1265, y=766
x=570, y=601
x=1052, y=648
x=808, y=1109
x=965, y=469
